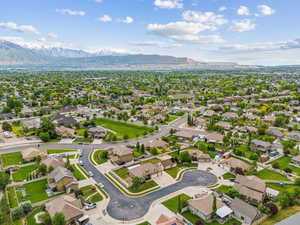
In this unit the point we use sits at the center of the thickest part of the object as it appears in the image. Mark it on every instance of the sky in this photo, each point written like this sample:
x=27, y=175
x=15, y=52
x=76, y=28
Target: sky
x=260, y=32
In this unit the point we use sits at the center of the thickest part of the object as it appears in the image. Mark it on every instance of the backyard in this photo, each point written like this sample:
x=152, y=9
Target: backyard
x=24, y=172
x=285, y=187
x=284, y=163
x=9, y=159
x=58, y=151
x=281, y=215
x=121, y=128
x=100, y=156
x=172, y=203
x=266, y=174
x=78, y=174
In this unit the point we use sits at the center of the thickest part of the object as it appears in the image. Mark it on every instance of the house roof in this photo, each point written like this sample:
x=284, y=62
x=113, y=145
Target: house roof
x=296, y=158
x=157, y=144
x=204, y=203
x=121, y=150
x=187, y=133
x=214, y=137
x=252, y=182
x=224, y=211
x=30, y=152
x=53, y=162
x=235, y=163
x=165, y=220
x=244, y=208
x=67, y=205
x=144, y=170
x=59, y=173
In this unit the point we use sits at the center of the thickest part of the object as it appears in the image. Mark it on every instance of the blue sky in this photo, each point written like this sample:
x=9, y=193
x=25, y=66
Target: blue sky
x=262, y=32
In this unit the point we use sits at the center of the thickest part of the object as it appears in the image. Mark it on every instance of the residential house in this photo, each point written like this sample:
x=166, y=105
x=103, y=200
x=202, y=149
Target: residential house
x=230, y=115
x=32, y=123
x=62, y=180
x=97, y=132
x=275, y=132
x=202, y=205
x=157, y=143
x=209, y=113
x=260, y=145
x=214, y=138
x=30, y=154
x=166, y=220
x=146, y=171
x=65, y=132
x=296, y=160
x=233, y=163
x=224, y=125
x=68, y=205
x=294, y=136
x=120, y=154
x=69, y=108
x=243, y=211
x=53, y=162
x=251, y=188
x=199, y=156
x=167, y=162
x=66, y=121
x=186, y=135
x=201, y=123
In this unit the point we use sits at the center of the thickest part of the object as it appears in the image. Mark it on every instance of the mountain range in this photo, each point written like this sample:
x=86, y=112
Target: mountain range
x=14, y=55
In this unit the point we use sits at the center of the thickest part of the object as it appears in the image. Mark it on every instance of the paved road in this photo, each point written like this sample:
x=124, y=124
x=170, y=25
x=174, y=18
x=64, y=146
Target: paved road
x=123, y=207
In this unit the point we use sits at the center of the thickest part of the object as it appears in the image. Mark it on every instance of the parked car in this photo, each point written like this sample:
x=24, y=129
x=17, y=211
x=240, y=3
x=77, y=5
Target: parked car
x=101, y=185
x=90, y=206
x=81, y=163
x=91, y=174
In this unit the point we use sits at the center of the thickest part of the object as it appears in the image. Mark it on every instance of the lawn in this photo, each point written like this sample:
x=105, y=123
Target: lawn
x=30, y=219
x=81, y=131
x=83, y=140
x=57, y=151
x=281, y=215
x=123, y=172
x=9, y=159
x=193, y=219
x=13, y=202
x=77, y=173
x=172, y=203
x=266, y=174
x=17, y=130
x=228, y=176
x=145, y=186
x=154, y=160
x=99, y=157
x=173, y=171
x=35, y=191
x=224, y=189
x=122, y=128
x=285, y=187
x=96, y=198
x=23, y=172
x=284, y=163
x=144, y=223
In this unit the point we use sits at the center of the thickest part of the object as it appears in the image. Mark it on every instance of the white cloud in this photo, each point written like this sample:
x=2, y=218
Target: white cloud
x=155, y=44
x=222, y=8
x=265, y=10
x=242, y=25
x=19, y=28
x=243, y=11
x=105, y=18
x=204, y=17
x=196, y=39
x=52, y=35
x=169, y=4
x=71, y=12
x=127, y=20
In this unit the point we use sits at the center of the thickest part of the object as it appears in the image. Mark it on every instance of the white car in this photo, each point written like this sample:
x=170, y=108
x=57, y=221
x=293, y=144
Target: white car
x=91, y=174
x=80, y=163
x=101, y=185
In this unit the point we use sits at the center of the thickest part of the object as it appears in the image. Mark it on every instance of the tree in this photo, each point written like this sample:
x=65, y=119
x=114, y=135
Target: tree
x=27, y=207
x=214, y=206
x=185, y=157
x=136, y=182
x=44, y=136
x=297, y=181
x=58, y=219
x=42, y=169
x=273, y=209
x=285, y=199
x=154, y=151
x=45, y=219
x=6, y=126
x=4, y=180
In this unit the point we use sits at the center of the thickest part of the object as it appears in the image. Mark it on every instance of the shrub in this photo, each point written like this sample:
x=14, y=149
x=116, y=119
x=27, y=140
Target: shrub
x=17, y=213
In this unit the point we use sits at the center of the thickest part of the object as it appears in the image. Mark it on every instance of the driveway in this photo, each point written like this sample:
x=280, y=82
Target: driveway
x=163, y=179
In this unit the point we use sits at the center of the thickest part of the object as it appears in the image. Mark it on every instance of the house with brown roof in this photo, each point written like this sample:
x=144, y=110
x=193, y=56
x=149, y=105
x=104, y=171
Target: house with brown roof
x=294, y=136
x=30, y=154
x=120, y=154
x=233, y=163
x=166, y=220
x=157, y=143
x=230, y=115
x=224, y=125
x=260, y=145
x=53, y=162
x=202, y=205
x=68, y=205
x=214, y=138
x=209, y=113
x=243, y=211
x=97, y=132
x=65, y=132
x=201, y=123
x=62, y=180
x=167, y=162
x=145, y=171
x=251, y=188
x=199, y=156
x=296, y=160
x=186, y=135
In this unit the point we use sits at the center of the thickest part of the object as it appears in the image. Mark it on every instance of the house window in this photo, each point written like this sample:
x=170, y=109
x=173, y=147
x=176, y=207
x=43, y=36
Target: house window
x=242, y=218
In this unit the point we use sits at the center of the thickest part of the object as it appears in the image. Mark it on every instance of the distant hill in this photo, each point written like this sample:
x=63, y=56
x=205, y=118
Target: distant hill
x=13, y=55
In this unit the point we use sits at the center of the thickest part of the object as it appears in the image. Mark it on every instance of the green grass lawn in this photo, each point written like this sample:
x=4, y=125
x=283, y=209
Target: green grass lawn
x=285, y=187
x=35, y=191
x=83, y=140
x=266, y=174
x=173, y=171
x=123, y=172
x=228, y=176
x=17, y=130
x=137, y=154
x=144, y=223
x=30, y=219
x=281, y=215
x=193, y=219
x=154, y=160
x=81, y=131
x=145, y=186
x=23, y=172
x=122, y=128
x=96, y=198
x=284, y=163
x=9, y=159
x=224, y=188
x=77, y=173
x=57, y=151
x=98, y=157
x=12, y=197
x=172, y=203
